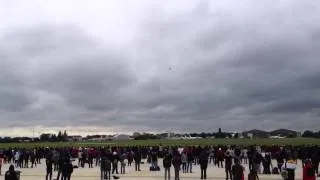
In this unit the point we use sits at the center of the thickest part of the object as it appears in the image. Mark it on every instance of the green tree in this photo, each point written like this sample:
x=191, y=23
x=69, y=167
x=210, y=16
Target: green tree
x=59, y=137
x=64, y=136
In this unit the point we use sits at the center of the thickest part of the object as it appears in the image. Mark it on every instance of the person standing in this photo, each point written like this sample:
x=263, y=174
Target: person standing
x=228, y=165
x=256, y=161
x=60, y=165
x=267, y=165
x=108, y=168
x=315, y=161
x=167, y=166
x=290, y=167
x=33, y=159
x=1, y=162
x=176, y=162
x=253, y=175
x=220, y=156
x=17, y=158
x=67, y=170
x=308, y=172
x=130, y=158
x=184, y=160
x=203, y=161
x=122, y=163
x=245, y=156
x=90, y=158
x=137, y=159
x=115, y=162
x=11, y=174
x=49, y=169
x=237, y=171
x=103, y=166
x=190, y=161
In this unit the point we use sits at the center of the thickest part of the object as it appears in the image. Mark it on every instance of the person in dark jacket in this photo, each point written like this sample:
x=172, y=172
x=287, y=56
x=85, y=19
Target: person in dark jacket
x=33, y=160
x=108, y=168
x=190, y=161
x=49, y=169
x=253, y=175
x=103, y=166
x=90, y=160
x=228, y=165
x=11, y=174
x=267, y=164
x=315, y=161
x=154, y=158
x=203, y=161
x=130, y=158
x=67, y=170
x=60, y=165
x=176, y=162
x=137, y=159
x=237, y=171
x=167, y=166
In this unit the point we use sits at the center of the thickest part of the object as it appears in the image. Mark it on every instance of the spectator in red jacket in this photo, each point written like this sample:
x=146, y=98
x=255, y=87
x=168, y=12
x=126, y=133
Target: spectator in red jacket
x=308, y=171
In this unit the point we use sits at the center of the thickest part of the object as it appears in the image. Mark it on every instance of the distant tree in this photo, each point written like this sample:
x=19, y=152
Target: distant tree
x=135, y=134
x=203, y=135
x=145, y=136
x=308, y=133
x=6, y=140
x=65, y=136
x=236, y=136
x=59, y=137
x=54, y=138
x=194, y=134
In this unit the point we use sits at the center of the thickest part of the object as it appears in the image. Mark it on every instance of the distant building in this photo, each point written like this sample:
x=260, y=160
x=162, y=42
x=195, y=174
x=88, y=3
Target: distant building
x=255, y=133
x=119, y=137
x=74, y=138
x=98, y=138
x=284, y=133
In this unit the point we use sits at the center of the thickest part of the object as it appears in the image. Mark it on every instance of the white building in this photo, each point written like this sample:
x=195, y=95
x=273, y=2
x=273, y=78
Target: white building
x=74, y=138
x=119, y=137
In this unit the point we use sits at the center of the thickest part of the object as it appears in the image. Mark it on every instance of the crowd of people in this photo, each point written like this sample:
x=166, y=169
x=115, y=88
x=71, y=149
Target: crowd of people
x=183, y=159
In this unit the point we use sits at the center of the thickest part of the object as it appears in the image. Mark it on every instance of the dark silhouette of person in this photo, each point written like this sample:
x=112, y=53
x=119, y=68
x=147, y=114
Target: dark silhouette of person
x=228, y=165
x=203, y=161
x=49, y=169
x=167, y=166
x=137, y=156
x=11, y=174
x=176, y=162
x=67, y=170
x=237, y=170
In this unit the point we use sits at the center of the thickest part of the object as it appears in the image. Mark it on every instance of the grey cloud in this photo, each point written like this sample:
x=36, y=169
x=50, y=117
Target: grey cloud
x=231, y=68
x=255, y=71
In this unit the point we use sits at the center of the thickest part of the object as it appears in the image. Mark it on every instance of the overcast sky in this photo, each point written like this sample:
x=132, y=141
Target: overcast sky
x=141, y=65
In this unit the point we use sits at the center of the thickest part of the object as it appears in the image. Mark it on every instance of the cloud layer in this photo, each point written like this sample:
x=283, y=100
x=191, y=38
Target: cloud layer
x=142, y=66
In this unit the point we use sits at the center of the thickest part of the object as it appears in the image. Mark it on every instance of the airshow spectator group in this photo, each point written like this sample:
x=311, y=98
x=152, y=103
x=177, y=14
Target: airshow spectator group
x=183, y=159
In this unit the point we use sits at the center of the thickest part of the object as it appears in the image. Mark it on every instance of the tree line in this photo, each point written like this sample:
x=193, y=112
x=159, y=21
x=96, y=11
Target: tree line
x=62, y=137
x=311, y=134
x=45, y=137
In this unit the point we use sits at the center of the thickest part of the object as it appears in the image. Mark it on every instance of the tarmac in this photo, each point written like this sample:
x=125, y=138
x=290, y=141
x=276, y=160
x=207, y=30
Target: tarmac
x=87, y=173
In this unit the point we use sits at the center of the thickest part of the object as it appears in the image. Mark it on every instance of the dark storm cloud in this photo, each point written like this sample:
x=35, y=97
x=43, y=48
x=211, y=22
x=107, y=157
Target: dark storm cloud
x=263, y=72
x=254, y=66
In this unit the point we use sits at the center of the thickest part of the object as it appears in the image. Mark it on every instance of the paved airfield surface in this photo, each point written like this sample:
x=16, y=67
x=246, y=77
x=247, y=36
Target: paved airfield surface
x=86, y=173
